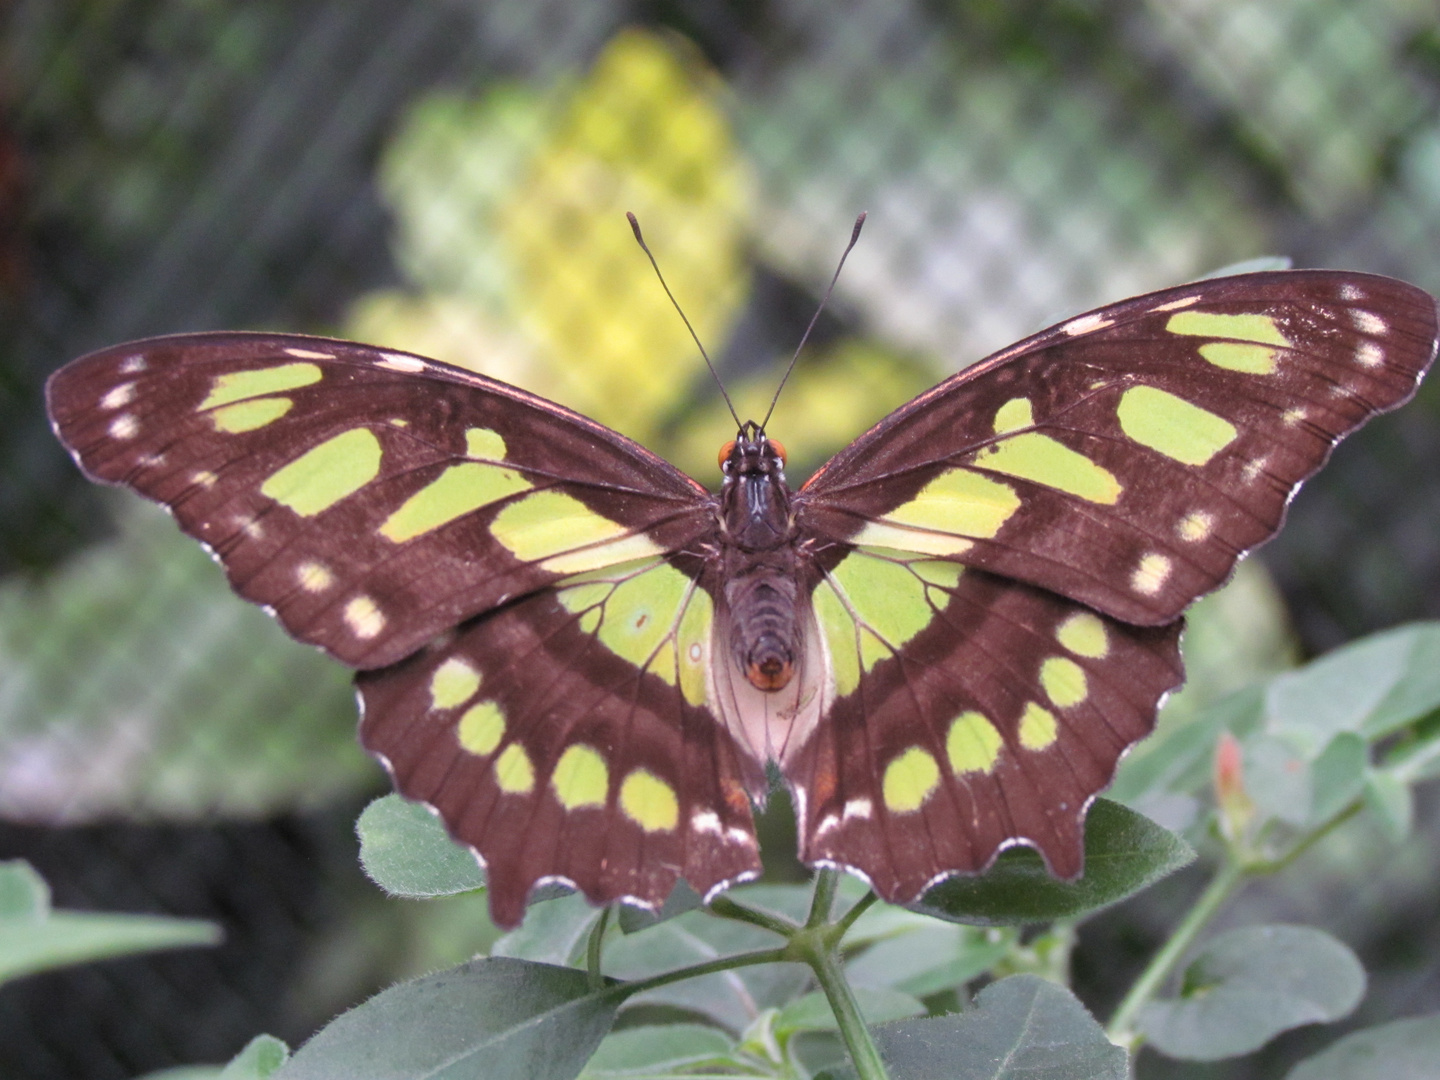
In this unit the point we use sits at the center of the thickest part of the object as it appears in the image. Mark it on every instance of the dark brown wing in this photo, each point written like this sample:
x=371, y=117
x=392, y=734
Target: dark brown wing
x=371, y=498
x=1128, y=457
x=568, y=736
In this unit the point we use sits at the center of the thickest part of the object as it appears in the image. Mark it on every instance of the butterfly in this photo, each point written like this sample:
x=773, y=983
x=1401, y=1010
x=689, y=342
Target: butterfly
x=584, y=661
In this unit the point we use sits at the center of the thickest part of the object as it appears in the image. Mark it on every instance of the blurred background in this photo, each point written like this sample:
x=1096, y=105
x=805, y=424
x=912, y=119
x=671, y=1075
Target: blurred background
x=450, y=177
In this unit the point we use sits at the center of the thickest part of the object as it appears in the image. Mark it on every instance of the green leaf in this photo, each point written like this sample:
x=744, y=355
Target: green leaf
x=1124, y=853
x=1021, y=1028
x=646, y=1051
x=1392, y=803
x=1337, y=777
x=1177, y=758
x=812, y=1012
x=1248, y=985
x=262, y=1056
x=23, y=892
x=35, y=938
x=1400, y=1050
x=1277, y=777
x=555, y=931
x=1372, y=687
x=930, y=958
x=500, y=1018
x=407, y=852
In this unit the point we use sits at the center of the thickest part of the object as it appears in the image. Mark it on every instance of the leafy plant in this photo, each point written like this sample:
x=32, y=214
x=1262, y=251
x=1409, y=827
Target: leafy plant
x=34, y=937
x=823, y=981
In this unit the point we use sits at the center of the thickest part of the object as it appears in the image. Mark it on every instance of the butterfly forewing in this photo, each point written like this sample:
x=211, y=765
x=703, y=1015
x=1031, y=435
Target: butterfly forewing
x=1128, y=457
x=373, y=499
x=567, y=736
x=970, y=711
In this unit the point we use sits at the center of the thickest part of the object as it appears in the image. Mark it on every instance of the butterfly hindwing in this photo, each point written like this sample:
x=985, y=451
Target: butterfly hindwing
x=970, y=711
x=373, y=499
x=567, y=736
x=1128, y=457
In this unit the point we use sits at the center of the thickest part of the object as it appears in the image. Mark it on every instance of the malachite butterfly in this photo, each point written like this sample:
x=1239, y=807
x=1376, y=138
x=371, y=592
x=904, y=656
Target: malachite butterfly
x=583, y=660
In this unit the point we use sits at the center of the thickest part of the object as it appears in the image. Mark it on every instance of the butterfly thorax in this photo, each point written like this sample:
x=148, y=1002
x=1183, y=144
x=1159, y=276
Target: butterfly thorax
x=760, y=559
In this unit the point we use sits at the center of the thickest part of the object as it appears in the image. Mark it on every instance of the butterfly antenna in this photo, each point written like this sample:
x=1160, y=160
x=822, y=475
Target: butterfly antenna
x=854, y=236
x=635, y=228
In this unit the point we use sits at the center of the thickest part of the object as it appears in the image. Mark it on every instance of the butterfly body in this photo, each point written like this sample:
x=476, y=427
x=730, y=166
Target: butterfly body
x=584, y=660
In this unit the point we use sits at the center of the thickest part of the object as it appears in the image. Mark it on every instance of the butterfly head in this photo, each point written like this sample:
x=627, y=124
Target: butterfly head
x=752, y=453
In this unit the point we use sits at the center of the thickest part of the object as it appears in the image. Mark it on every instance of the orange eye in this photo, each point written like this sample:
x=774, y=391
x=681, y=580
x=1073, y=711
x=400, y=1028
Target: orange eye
x=725, y=452
x=778, y=447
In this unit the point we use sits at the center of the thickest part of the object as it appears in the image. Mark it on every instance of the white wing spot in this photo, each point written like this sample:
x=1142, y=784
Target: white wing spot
x=829, y=823
x=1369, y=354
x=149, y=461
x=739, y=836
x=120, y=395
x=1196, y=526
x=310, y=354
x=706, y=821
x=132, y=364
x=364, y=618
x=1183, y=302
x=861, y=808
x=314, y=577
x=395, y=362
x=1292, y=417
x=1351, y=292
x=1085, y=324
x=1150, y=576
x=1368, y=322
x=1252, y=470
x=695, y=652
x=250, y=527
x=398, y=422
x=203, y=478
x=124, y=427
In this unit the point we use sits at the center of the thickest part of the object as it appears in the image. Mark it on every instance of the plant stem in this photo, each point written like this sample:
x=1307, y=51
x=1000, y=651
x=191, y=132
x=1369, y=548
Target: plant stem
x=848, y=919
x=1222, y=886
x=592, y=950
x=818, y=950
x=823, y=899
x=729, y=909
x=709, y=967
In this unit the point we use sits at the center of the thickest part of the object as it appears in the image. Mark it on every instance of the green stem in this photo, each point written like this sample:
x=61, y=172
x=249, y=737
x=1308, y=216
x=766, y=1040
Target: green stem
x=729, y=909
x=823, y=899
x=710, y=967
x=592, y=950
x=817, y=950
x=864, y=904
x=1222, y=886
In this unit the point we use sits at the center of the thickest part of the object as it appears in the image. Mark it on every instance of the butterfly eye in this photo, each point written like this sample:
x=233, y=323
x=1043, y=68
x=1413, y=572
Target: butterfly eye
x=725, y=452
x=778, y=447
